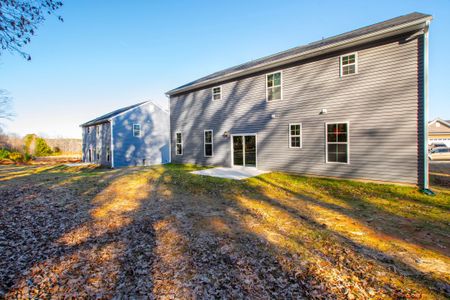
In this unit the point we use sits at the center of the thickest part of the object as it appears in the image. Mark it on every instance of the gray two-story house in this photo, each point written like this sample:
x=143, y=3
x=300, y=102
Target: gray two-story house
x=353, y=106
x=136, y=135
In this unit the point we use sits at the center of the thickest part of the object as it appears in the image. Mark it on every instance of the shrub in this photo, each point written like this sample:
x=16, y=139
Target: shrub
x=4, y=153
x=42, y=148
x=56, y=150
x=16, y=157
x=27, y=157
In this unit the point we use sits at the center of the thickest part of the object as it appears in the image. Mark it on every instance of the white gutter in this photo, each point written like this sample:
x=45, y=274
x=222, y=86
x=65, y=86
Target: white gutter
x=418, y=24
x=425, y=108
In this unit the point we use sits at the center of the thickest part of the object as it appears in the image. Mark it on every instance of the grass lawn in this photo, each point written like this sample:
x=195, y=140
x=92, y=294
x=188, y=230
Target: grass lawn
x=162, y=232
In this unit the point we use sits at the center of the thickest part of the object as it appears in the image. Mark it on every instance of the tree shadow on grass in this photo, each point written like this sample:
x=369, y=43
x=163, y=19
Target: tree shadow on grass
x=161, y=232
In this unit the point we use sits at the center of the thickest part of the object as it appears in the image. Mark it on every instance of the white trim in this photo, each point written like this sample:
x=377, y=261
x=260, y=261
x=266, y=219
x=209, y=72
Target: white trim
x=440, y=121
x=341, y=66
x=212, y=93
x=347, y=143
x=140, y=130
x=212, y=143
x=111, y=124
x=281, y=86
x=142, y=104
x=243, y=145
x=301, y=135
x=425, y=108
x=176, y=143
x=388, y=32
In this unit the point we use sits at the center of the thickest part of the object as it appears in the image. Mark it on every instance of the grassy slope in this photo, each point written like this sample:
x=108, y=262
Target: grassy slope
x=336, y=238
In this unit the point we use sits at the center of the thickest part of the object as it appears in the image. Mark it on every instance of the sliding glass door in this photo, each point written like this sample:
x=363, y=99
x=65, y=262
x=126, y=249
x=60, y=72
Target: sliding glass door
x=244, y=150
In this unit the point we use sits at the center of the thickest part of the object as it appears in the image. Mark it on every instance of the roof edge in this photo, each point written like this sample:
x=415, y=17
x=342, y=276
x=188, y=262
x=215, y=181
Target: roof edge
x=384, y=33
x=142, y=104
x=440, y=120
x=90, y=123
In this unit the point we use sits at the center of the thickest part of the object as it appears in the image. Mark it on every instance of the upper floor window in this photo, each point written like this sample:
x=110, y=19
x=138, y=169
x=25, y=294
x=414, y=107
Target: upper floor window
x=137, y=130
x=208, y=143
x=217, y=93
x=337, y=148
x=88, y=129
x=97, y=130
x=273, y=86
x=349, y=64
x=178, y=144
x=295, y=135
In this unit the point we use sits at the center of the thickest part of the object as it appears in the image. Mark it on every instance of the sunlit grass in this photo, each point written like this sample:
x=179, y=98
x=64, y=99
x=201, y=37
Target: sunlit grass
x=366, y=237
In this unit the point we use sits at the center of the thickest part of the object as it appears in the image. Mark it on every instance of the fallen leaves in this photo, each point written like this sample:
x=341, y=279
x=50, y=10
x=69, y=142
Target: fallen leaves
x=162, y=233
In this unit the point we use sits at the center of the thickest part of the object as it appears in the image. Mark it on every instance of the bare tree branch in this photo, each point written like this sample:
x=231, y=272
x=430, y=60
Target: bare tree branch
x=19, y=20
x=5, y=106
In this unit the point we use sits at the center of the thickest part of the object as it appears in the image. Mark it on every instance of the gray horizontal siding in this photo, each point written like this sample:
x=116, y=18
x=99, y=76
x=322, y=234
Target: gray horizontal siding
x=99, y=144
x=382, y=103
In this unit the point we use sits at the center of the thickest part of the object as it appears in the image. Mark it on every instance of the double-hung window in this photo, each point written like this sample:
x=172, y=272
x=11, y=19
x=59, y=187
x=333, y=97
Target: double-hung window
x=217, y=93
x=349, y=64
x=137, y=130
x=208, y=143
x=337, y=140
x=97, y=130
x=178, y=144
x=295, y=135
x=273, y=86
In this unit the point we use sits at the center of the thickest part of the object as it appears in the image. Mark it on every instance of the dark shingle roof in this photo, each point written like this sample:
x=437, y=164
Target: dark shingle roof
x=106, y=117
x=311, y=46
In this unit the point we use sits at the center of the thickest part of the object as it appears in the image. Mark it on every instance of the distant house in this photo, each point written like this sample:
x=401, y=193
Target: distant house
x=439, y=132
x=131, y=136
x=353, y=105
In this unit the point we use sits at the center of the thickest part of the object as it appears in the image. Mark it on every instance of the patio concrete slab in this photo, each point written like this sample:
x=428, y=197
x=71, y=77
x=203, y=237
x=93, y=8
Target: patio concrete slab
x=237, y=173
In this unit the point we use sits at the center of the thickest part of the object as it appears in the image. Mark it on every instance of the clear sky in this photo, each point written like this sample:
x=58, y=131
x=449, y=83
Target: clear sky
x=108, y=54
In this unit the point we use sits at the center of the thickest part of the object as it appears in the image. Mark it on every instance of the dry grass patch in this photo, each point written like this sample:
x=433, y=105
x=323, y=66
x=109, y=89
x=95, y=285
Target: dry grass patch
x=161, y=232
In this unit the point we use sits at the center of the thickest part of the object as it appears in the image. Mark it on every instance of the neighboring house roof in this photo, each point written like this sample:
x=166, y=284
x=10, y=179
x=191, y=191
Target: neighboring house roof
x=107, y=117
x=393, y=26
x=446, y=123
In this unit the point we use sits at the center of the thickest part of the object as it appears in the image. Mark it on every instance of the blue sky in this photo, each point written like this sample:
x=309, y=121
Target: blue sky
x=109, y=54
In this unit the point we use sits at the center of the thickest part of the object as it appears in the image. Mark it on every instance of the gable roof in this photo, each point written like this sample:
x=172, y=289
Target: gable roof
x=446, y=123
x=393, y=26
x=115, y=113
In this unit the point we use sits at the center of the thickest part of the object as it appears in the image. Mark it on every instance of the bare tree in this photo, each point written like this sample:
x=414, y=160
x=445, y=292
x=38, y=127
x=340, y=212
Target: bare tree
x=5, y=106
x=19, y=20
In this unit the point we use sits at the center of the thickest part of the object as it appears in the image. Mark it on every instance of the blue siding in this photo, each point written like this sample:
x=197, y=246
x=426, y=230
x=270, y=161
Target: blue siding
x=152, y=147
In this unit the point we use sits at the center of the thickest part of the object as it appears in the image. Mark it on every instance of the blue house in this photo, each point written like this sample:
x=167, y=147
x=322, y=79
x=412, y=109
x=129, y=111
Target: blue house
x=136, y=135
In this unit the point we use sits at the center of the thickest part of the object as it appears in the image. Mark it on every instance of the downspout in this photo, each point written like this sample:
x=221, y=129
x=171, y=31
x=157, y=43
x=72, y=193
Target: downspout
x=425, y=183
x=111, y=124
x=170, y=132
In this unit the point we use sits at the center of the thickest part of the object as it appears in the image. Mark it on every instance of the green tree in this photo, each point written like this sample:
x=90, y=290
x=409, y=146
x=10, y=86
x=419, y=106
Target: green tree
x=29, y=142
x=42, y=148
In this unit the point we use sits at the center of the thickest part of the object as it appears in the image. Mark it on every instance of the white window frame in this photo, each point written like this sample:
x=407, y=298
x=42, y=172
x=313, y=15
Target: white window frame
x=97, y=131
x=181, y=143
x=204, y=143
x=281, y=86
x=347, y=143
x=140, y=130
x=341, y=66
x=220, y=93
x=300, y=135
